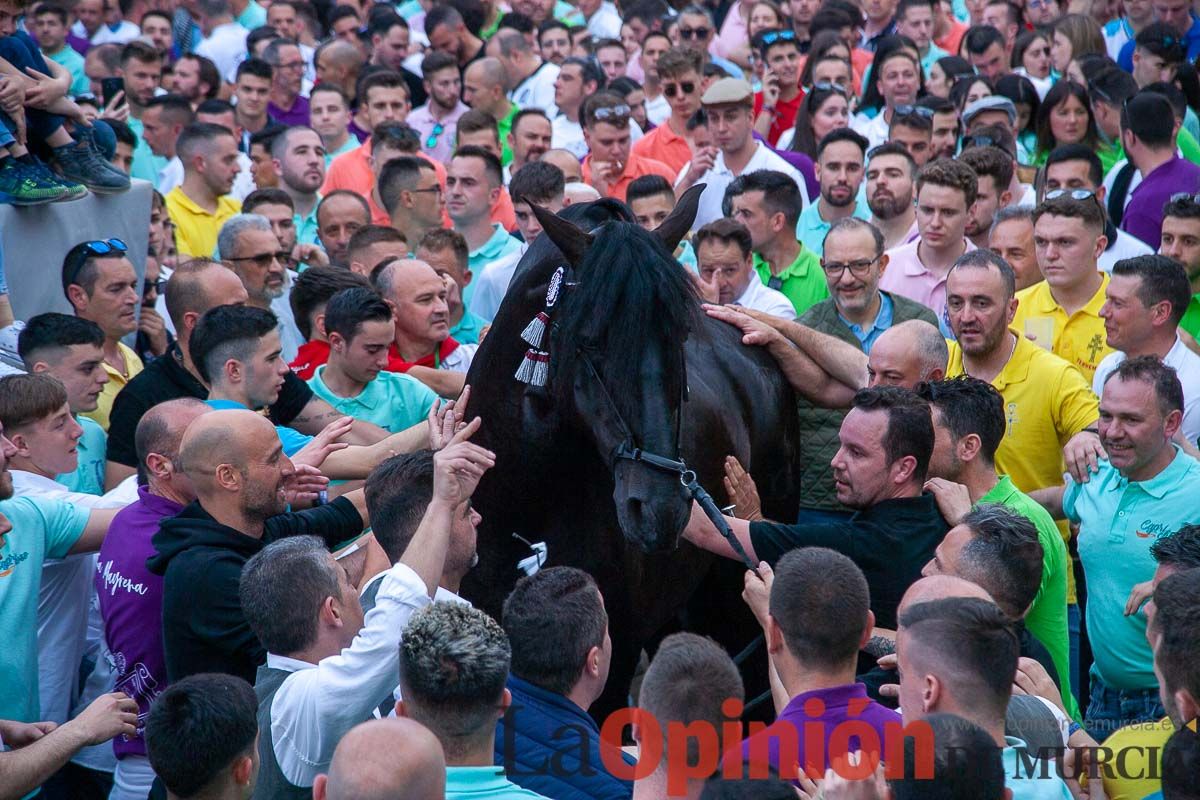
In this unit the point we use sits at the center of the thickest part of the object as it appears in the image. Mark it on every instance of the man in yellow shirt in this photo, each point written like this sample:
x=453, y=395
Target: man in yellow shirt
x=102, y=286
x=201, y=204
x=1049, y=408
x=1062, y=313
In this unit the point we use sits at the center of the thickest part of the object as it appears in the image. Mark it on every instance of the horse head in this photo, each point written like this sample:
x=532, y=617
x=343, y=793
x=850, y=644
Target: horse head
x=617, y=360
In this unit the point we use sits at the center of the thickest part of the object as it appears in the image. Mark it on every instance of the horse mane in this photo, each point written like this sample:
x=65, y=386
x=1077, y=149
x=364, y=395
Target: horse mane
x=629, y=294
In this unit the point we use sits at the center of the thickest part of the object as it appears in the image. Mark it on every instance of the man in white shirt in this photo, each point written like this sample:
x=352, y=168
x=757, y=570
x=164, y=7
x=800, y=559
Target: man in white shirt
x=163, y=119
x=224, y=41
x=529, y=79
x=1145, y=299
x=578, y=79
x=329, y=665
x=730, y=106
x=93, y=23
x=724, y=255
x=603, y=19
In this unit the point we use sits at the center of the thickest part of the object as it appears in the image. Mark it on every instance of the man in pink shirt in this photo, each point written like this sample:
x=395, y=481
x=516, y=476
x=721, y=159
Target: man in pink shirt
x=917, y=270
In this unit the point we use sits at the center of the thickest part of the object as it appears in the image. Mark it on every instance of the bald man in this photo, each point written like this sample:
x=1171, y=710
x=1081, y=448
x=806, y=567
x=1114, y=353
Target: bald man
x=243, y=483
x=339, y=63
x=417, y=296
x=194, y=288
x=568, y=162
x=828, y=370
x=387, y=759
x=484, y=90
x=133, y=619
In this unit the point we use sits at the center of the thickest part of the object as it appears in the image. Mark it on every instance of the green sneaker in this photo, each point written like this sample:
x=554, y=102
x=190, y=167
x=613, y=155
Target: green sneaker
x=74, y=191
x=22, y=185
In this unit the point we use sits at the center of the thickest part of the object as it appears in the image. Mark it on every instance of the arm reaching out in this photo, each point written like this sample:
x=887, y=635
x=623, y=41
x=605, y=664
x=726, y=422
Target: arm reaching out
x=843, y=362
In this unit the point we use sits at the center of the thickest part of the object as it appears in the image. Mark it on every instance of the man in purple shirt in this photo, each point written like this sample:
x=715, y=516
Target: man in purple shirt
x=1148, y=135
x=816, y=615
x=286, y=104
x=130, y=595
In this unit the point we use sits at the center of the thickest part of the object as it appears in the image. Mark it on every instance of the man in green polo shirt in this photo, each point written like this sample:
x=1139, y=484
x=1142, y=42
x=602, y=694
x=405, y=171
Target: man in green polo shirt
x=768, y=203
x=1181, y=241
x=1144, y=491
x=968, y=426
x=355, y=381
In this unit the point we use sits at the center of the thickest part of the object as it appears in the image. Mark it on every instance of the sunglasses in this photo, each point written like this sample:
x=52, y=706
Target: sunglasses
x=438, y=130
x=694, y=33
x=682, y=88
x=1074, y=194
x=1185, y=196
x=771, y=37
x=159, y=286
x=908, y=111
x=265, y=259
x=611, y=112
x=826, y=86
x=93, y=249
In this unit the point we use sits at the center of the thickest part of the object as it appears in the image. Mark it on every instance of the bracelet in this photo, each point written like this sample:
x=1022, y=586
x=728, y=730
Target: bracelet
x=1073, y=728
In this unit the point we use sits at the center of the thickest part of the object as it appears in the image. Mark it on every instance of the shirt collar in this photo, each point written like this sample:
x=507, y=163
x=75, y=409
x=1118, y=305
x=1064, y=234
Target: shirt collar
x=26, y=482
x=832, y=697
x=1001, y=492
x=366, y=398
x=287, y=664
x=797, y=269
x=719, y=167
x=1017, y=368
x=158, y=504
x=1165, y=481
x=493, y=246
x=882, y=321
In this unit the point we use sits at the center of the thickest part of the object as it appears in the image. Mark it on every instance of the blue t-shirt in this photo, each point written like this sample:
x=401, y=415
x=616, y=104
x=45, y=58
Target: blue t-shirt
x=42, y=528
x=88, y=477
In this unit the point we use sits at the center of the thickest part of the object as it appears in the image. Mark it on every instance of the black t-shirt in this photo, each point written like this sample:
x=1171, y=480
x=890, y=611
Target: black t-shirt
x=165, y=378
x=890, y=542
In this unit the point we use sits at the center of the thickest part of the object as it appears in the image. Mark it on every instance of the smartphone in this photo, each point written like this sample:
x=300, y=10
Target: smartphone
x=111, y=87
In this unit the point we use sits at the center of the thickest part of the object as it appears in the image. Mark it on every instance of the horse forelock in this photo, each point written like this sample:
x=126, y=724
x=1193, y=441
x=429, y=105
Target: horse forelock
x=628, y=295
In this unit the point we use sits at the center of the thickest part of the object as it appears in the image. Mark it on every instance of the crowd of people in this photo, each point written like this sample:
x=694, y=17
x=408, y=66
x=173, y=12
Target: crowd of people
x=237, y=478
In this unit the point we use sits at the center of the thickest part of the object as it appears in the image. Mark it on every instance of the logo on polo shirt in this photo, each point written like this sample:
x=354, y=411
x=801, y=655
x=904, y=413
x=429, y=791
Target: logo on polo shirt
x=1152, y=530
x=1011, y=417
x=9, y=563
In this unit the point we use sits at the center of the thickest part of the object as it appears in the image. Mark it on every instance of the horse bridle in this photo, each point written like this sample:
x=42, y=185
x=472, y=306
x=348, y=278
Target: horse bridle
x=629, y=451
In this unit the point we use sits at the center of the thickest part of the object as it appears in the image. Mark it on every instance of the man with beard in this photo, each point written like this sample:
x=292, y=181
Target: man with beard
x=767, y=203
x=1140, y=493
x=243, y=481
x=299, y=157
x=287, y=104
x=890, y=174
x=201, y=204
x=993, y=173
x=250, y=249
x=839, y=169
x=141, y=71
x=437, y=120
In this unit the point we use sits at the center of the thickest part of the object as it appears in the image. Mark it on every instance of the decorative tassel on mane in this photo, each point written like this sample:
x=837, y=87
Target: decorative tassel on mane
x=535, y=366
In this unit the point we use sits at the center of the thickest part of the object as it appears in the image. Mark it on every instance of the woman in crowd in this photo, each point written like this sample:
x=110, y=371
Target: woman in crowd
x=1020, y=89
x=1065, y=117
x=944, y=73
x=1031, y=58
x=825, y=108
x=1074, y=35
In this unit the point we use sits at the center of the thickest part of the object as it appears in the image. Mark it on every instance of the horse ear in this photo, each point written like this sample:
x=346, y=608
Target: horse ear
x=679, y=222
x=570, y=240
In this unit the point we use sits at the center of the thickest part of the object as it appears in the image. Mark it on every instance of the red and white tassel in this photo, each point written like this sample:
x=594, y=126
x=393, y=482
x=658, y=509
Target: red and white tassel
x=535, y=368
x=536, y=329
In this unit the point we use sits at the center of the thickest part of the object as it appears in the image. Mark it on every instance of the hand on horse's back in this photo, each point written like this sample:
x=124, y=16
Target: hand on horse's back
x=754, y=332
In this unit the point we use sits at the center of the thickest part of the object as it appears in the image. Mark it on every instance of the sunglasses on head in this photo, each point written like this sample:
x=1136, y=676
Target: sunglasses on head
x=93, y=249
x=1188, y=196
x=826, y=86
x=611, y=113
x=683, y=88
x=694, y=33
x=909, y=111
x=771, y=37
x=1074, y=194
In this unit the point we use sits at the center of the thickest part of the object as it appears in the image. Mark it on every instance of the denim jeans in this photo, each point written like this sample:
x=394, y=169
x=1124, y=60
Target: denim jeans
x=1111, y=708
x=20, y=51
x=1073, y=620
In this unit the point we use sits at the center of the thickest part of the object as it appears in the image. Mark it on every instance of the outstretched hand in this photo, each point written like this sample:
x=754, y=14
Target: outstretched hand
x=327, y=441
x=446, y=419
x=109, y=716
x=753, y=331
x=742, y=491
x=459, y=466
x=304, y=485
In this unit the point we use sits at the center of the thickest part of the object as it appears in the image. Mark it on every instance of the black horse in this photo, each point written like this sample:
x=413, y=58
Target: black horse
x=633, y=362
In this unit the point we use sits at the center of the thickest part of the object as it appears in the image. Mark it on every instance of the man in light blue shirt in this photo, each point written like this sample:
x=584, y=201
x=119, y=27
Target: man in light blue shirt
x=355, y=381
x=1144, y=491
x=70, y=349
x=839, y=169
x=456, y=652
x=446, y=251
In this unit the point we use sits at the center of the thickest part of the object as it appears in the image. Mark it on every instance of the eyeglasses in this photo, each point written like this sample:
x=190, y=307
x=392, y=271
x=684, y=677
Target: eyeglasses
x=826, y=86
x=694, y=33
x=683, y=87
x=437, y=189
x=265, y=259
x=93, y=249
x=611, y=113
x=292, y=65
x=438, y=130
x=1074, y=194
x=908, y=111
x=859, y=269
